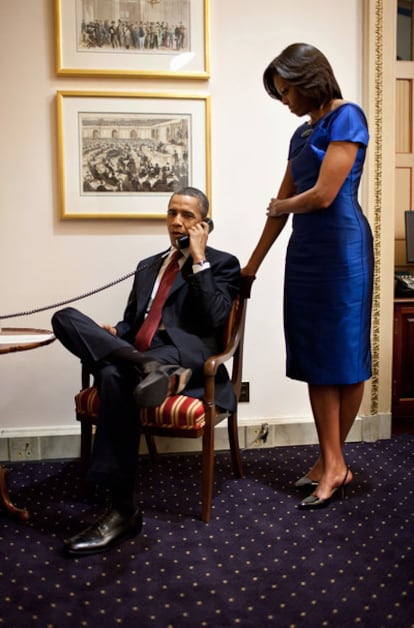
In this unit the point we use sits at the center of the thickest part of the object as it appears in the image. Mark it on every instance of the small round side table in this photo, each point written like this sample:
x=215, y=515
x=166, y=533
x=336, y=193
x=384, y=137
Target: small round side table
x=19, y=339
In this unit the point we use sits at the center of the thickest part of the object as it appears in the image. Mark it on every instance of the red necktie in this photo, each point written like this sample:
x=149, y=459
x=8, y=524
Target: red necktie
x=150, y=325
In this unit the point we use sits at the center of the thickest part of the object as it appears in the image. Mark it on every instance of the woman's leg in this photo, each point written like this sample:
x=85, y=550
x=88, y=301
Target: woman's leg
x=326, y=406
x=334, y=409
x=350, y=397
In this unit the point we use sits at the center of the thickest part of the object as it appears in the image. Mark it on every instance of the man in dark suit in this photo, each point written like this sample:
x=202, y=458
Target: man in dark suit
x=130, y=373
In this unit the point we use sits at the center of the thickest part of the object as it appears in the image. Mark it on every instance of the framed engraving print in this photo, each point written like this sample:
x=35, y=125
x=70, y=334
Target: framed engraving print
x=130, y=38
x=122, y=154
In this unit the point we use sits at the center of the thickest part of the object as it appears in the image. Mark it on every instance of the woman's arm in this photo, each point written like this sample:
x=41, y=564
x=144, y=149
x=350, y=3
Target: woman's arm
x=335, y=167
x=271, y=230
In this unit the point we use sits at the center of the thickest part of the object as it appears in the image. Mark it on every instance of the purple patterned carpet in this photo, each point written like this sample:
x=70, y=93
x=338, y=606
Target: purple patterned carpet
x=259, y=562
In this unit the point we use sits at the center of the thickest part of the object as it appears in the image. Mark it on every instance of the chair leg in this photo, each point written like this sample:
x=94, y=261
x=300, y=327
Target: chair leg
x=234, y=445
x=85, y=454
x=152, y=448
x=207, y=471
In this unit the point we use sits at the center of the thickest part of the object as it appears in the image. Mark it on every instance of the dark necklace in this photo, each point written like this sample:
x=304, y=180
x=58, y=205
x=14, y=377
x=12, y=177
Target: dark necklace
x=308, y=131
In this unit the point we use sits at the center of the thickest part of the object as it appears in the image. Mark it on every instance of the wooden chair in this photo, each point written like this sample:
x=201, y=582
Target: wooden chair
x=181, y=416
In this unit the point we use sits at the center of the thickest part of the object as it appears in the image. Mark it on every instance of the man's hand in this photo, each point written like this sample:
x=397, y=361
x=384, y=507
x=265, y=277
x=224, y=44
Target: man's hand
x=112, y=330
x=198, y=241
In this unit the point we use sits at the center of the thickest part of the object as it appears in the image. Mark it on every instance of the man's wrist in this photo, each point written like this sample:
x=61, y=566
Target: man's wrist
x=200, y=264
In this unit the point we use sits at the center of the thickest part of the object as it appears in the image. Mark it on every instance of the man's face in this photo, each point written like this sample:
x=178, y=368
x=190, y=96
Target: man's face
x=183, y=213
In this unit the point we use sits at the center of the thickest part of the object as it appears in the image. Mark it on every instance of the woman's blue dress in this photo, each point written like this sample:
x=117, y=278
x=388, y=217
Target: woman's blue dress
x=329, y=263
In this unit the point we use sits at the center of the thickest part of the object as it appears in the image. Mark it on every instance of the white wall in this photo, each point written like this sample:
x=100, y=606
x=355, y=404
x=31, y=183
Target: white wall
x=44, y=260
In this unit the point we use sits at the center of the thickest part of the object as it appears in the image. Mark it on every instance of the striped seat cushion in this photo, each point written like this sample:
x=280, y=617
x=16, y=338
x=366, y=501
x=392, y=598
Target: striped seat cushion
x=177, y=411
x=87, y=402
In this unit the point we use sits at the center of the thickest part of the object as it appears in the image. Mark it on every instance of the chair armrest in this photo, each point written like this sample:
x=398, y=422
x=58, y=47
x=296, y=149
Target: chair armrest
x=213, y=362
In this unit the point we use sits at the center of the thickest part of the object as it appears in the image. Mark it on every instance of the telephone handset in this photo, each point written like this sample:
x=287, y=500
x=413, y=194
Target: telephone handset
x=184, y=241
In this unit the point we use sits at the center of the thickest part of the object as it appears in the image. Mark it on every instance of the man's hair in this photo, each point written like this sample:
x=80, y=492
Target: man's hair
x=306, y=68
x=196, y=193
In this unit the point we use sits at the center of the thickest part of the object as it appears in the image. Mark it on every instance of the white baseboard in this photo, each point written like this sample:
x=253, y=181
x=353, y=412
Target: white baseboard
x=47, y=443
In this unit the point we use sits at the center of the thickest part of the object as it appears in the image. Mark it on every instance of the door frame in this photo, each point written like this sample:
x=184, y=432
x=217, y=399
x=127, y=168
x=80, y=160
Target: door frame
x=378, y=80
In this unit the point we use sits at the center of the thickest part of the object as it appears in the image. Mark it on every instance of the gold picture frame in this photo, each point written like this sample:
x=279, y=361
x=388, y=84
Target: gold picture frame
x=147, y=38
x=122, y=154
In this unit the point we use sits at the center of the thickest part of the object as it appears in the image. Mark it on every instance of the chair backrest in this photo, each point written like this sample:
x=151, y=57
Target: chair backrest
x=233, y=340
x=240, y=301
x=235, y=330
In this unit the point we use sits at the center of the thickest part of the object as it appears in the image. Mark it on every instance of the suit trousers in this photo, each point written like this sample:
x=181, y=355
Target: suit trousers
x=116, y=443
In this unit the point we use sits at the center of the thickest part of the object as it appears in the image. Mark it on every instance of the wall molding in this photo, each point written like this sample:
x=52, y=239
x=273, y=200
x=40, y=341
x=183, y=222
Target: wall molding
x=64, y=442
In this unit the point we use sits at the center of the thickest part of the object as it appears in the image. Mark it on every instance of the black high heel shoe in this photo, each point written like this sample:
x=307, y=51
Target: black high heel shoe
x=306, y=482
x=313, y=501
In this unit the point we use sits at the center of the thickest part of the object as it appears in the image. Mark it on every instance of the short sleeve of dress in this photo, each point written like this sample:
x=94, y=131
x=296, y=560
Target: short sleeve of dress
x=349, y=125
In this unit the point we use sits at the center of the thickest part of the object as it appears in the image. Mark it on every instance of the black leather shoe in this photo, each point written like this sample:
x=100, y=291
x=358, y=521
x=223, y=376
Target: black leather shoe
x=107, y=532
x=168, y=379
x=179, y=377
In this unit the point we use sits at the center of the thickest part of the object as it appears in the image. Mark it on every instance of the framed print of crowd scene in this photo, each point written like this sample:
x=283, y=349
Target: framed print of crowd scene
x=122, y=155
x=148, y=38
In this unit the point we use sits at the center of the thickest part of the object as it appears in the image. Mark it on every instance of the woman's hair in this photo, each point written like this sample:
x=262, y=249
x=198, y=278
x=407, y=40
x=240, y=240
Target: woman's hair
x=306, y=68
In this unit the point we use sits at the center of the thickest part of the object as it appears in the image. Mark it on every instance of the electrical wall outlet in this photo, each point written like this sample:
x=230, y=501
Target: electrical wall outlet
x=259, y=436
x=22, y=448
x=244, y=392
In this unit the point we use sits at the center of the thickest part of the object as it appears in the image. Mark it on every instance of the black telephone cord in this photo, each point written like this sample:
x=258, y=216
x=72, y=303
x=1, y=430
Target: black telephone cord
x=72, y=300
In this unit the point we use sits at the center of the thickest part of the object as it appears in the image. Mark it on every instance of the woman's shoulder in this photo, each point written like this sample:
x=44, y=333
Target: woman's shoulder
x=347, y=108
x=347, y=122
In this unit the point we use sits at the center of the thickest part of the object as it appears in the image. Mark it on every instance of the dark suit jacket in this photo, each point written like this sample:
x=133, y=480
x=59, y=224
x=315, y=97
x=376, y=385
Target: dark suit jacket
x=194, y=314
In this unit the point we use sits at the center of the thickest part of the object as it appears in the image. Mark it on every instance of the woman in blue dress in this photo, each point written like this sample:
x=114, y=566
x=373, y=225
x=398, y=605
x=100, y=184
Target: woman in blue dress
x=329, y=259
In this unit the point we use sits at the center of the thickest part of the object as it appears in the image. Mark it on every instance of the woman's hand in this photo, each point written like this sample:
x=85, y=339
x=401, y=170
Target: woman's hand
x=248, y=271
x=276, y=208
x=249, y=277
